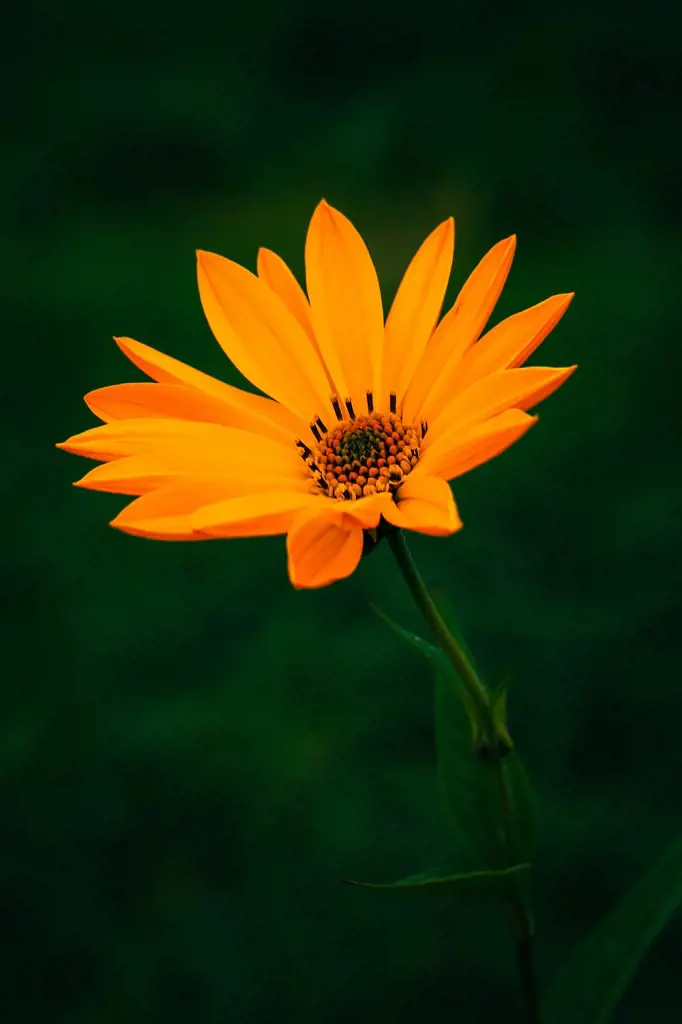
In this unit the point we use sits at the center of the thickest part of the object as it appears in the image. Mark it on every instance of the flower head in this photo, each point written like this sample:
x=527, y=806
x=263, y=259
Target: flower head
x=365, y=424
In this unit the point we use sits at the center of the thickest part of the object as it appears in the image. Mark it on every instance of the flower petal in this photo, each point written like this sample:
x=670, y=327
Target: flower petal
x=136, y=474
x=321, y=549
x=279, y=278
x=139, y=474
x=253, y=515
x=458, y=330
x=260, y=336
x=456, y=452
x=120, y=438
x=510, y=342
x=366, y=512
x=346, y=304
x=491, y=395
x=248, y=412
x=166, y=514
x=206, y=449
x=172, y=401
x=425, y=504
x=416, y=307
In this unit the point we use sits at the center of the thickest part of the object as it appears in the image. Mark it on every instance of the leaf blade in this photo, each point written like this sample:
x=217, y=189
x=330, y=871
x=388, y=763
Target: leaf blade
x=590, y=985
x=468, y=783
x=470, y=883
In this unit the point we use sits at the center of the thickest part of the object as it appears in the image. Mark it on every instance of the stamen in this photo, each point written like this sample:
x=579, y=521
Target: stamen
x=425, y=427
x=316, y=432
x=320, y=424
x=336, y=406
x=393, y=400
x=351, y=410
x=305, y=450
x=370, y=402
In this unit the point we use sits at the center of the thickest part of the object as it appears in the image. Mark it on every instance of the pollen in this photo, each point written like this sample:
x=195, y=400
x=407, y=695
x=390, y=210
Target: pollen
x=362, y=456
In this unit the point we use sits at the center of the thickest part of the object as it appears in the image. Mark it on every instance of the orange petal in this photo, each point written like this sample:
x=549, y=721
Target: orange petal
x=166, y=514
x=128, y=437
x=278, y=277
x=456, y=452
x=260, y=336
x=416, y=307
x=240, y=474
x=458, y=330
x=491, y=395
x=253, y=515
x=511, y=342
x=247, y=411
x=136, y=474
x=173, y=401
x=425, y=504
x=346, y=304
x=205, y=449
x=365, y=513
x=320, y=550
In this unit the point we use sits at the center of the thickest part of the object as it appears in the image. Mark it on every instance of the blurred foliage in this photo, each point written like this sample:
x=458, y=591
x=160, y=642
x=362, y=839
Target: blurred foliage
x=591, y=983
x=192, y=754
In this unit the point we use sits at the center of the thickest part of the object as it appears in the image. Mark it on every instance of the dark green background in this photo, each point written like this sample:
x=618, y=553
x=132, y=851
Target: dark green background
x=192, y=753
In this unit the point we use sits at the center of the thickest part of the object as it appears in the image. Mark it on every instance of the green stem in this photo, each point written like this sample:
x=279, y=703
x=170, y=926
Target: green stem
x=457, y=657
x=519, y=916
x=523, y=940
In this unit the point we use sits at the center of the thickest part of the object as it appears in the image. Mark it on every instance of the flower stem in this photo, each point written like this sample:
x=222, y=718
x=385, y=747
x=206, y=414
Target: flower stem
x=523, y=940
x=519, y=914
x=457, y=657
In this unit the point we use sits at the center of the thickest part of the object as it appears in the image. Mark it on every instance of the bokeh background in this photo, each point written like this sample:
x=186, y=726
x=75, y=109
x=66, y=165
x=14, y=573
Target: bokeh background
x=192, y=754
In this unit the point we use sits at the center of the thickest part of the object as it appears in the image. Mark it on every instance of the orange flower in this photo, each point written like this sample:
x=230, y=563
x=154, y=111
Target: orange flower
x=365, y=424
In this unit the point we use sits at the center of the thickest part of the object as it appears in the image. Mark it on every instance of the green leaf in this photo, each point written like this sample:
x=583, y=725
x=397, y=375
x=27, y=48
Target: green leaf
x=440, y=663
x=468, y=783
x=423, y=647
x=473, y=884
x=471, y=783
x=473, y=788
x=588, y=988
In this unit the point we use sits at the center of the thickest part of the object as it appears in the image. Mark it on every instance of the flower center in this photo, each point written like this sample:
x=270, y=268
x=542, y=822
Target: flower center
x=362, y=456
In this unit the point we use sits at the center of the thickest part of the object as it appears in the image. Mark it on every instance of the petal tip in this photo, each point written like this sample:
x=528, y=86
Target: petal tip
x=91, y=399
x=125, y=344
x=445, y=231
x=70, y=445
x=327, y=211
x=119, y=524
x=206, y=259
